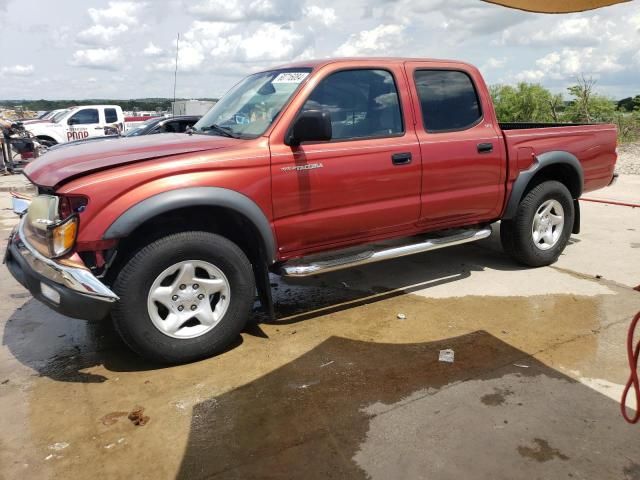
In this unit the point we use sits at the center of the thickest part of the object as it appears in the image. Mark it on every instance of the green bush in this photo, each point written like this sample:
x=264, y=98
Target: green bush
x=531, y=102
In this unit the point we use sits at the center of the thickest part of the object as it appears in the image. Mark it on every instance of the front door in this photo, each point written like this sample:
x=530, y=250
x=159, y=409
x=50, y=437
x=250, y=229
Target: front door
x=463, y=151
x=84, y=123
x=365, y=181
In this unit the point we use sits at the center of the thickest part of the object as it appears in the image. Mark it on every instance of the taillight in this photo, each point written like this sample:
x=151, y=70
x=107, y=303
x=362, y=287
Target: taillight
x=68, y=205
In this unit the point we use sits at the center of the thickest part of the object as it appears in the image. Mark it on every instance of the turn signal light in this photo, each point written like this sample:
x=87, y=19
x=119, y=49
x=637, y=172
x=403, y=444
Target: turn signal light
x=63, y=236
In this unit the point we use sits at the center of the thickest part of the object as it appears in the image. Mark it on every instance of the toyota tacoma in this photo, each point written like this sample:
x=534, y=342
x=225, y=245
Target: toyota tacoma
x=298, y=170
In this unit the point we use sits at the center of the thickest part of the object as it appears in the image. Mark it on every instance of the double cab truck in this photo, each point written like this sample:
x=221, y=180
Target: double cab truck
x=299, y=170
x=78, y=123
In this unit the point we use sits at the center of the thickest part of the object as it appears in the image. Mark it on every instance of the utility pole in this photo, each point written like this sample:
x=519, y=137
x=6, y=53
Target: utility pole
x=175, y=78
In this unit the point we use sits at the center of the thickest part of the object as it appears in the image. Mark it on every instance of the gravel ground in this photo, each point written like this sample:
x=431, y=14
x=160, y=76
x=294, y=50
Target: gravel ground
x=628, y=159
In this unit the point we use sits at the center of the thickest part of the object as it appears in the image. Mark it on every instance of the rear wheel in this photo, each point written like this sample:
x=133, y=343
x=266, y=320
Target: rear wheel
x=541, y=228
x=184, y=297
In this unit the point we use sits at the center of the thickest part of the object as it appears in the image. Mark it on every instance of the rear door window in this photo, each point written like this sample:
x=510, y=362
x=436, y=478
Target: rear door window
x=448, y=100
x=362, y=104
x=85, y=116
x=110, y=115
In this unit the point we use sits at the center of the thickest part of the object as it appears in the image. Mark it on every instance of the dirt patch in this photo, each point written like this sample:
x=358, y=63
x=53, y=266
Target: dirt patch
x=497, y=398
x=113, y=417
x=542, y=452
x=137, y=417
x=628, y=158
x=632, y=471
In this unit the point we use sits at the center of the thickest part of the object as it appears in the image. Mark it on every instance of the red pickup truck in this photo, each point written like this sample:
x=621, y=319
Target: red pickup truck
x=299, y=170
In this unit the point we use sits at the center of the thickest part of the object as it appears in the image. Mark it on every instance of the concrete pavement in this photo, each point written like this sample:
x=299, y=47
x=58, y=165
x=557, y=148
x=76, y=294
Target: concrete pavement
x=340, y=387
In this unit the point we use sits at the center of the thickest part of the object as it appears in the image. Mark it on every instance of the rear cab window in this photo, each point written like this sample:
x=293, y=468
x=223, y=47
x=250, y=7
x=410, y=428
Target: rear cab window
x=363, y=103
x=448, y=100
x=110, y=115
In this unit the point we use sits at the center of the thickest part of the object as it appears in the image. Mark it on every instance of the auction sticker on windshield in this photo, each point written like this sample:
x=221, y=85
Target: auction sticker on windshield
x=290, y=77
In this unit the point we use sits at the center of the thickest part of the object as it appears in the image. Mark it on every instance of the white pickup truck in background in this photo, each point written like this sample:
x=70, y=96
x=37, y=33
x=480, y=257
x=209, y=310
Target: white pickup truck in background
x=78, y=123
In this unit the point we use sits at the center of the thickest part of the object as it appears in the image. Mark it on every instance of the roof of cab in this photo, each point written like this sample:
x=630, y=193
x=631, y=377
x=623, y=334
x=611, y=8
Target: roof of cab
x=363, y=60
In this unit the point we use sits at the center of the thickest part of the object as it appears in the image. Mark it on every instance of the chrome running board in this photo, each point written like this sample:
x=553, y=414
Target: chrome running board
x=354, y=256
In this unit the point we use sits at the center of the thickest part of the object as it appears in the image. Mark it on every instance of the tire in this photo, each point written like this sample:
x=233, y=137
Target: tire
x=46, y=141
x=518, y=235
x=147, y=288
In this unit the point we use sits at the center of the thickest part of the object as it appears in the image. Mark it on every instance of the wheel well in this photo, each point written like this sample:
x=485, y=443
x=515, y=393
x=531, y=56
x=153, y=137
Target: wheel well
x=47, y=138
x=561, y=172
x=225, y=222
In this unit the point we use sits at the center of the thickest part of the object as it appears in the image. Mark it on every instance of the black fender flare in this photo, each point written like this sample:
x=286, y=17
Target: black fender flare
x=544, y=160
x=170, y=200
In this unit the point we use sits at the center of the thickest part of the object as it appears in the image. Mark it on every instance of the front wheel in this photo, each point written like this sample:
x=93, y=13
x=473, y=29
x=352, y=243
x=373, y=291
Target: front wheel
x=184, y=297
x=541, y=228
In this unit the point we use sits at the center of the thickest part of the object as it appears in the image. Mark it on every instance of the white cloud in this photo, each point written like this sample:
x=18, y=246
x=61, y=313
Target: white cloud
x=570, y=62
x=152, y=51
x=494, y=63
x=382, y=39
x=117, y=13
x=18, y=70
x=326, y=16
x=101, y=34
x=214, y=44
x=573, y=31
x=531, y=76
x=239, y=11
x=223, y=40
x=99, y=58
x=271, y=42
x=60, y=36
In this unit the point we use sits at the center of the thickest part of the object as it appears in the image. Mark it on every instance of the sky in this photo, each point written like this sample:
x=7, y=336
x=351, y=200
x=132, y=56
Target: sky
x=126, y=49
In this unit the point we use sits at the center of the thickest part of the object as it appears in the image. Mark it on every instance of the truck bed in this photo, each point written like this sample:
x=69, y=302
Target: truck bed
x=526, y=125
x=594, y=145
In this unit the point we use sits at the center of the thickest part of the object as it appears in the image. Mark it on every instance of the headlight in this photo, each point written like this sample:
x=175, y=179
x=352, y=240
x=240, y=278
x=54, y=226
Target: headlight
x=46, y=231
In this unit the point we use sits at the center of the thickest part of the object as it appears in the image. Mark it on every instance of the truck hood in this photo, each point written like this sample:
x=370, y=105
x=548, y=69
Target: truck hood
x=37, y=120
x=57, y=166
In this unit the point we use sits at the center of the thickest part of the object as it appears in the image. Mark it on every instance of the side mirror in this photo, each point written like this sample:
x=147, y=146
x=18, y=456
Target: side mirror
x=310, y=126
x=72, y=121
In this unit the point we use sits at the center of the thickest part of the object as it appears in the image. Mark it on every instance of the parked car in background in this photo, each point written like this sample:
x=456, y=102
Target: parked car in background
x=78, y=123
x=300, y=170
x=150, y=127
x=177, y=124
x=47, y=117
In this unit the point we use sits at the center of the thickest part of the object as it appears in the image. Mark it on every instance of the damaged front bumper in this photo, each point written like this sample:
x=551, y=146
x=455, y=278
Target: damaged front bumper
x=70, y=290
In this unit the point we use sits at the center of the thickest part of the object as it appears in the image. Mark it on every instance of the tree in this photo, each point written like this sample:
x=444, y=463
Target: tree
x=587, y=105
x=526, y=102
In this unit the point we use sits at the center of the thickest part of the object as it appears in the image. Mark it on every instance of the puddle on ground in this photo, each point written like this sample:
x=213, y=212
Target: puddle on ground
x=324, y=393
x=394, y=411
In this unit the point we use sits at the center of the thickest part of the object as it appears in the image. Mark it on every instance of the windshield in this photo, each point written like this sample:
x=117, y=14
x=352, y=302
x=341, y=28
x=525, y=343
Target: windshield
x=56, y=118
x=250, y=107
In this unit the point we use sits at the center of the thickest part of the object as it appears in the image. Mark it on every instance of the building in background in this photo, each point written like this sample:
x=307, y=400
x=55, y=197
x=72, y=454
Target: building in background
x=191, y=107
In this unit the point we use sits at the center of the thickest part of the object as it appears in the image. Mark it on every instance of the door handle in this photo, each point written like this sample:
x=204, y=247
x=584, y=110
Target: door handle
x=485, y=147
x=401, y=158
x=99, y=128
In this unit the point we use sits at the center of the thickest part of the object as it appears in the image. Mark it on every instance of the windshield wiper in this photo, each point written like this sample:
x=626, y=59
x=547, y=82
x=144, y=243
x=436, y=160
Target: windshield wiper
x=224, y=131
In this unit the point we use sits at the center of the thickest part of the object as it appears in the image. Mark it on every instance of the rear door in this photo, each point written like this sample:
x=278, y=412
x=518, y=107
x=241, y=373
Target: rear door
x=113, y=124
x=363, y=182
x=84, y=123
x=463, y=152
